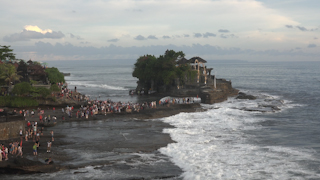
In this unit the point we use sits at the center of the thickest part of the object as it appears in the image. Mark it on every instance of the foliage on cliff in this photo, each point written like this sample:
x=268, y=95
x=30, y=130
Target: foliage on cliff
x=163, y=71
x=14, y=101
x=54, y=75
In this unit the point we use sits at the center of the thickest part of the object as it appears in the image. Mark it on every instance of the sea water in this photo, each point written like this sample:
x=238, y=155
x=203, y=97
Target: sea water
x=246, y=139
x=275, y=136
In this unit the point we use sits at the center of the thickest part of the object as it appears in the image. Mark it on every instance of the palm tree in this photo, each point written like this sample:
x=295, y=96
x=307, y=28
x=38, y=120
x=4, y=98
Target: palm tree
x=9, y=73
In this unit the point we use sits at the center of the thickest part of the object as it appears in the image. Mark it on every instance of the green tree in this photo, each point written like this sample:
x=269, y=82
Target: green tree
x=22, y=89
x=163, y=71
x=9, y=73
x=5, y=53
x=145, y=69
x=54, y=75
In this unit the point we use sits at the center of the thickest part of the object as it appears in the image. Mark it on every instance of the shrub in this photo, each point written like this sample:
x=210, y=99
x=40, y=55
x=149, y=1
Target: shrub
x=14, y=101
x=41, y=91
x=54, y=75
x=23, y=88
x=54, y=88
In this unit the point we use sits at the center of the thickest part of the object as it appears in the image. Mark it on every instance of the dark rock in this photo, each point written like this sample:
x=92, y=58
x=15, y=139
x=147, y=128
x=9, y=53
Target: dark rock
x=242, y=95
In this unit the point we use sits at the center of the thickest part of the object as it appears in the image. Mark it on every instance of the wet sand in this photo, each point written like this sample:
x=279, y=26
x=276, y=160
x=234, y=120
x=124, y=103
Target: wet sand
x=127, y=133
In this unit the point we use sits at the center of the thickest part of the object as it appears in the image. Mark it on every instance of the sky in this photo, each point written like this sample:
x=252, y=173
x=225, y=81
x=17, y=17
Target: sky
x=251, y=30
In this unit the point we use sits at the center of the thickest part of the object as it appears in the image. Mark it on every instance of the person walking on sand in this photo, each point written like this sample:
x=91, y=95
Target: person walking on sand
x=0, y=154
x=38, y=136
x=34, y=147
x=26, y=136
x=49, y=146
x=21, y=134
x=20, y=153
x=52, y=139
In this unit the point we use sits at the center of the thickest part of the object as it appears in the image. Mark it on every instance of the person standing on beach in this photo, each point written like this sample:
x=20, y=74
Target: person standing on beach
x=34, y=147
x=49, y=146
x=51, y=132
x=20, y=133
x=20, y=153
x=0, y=154
x=6, y=153
x=26, y=135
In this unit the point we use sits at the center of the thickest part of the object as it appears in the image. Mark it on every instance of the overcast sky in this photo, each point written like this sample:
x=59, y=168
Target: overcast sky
x=253, y=30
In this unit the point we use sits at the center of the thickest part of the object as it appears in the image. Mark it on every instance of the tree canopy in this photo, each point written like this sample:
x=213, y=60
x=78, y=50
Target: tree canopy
x=6, y=53
x=163, y=71
x=54, y=75
x=8, y=73
x=23, y=88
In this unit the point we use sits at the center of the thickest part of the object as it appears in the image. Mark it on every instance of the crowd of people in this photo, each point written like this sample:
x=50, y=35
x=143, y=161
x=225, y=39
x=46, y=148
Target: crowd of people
x=32, y=134
x=90, y=108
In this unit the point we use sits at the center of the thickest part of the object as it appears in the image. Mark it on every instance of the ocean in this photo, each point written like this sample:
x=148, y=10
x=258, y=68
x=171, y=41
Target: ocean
x=275, y=136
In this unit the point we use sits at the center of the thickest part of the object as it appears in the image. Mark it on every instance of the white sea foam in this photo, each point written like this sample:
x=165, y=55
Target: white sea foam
x=214, y=145
x=89, y=84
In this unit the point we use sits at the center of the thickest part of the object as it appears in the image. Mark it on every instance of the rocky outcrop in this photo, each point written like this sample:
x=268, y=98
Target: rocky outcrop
x=210, y=95
x=242, y=95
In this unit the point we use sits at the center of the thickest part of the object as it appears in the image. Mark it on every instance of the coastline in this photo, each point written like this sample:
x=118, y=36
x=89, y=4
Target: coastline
x=156, y=139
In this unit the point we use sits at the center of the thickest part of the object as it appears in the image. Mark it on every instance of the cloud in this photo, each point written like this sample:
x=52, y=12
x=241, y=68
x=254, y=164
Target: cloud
x=312, y=45
x=86, y=42
x=197, y=35
x=207, y=34
x=140, y=38
x=223, y=36
x=33, y=32
x=136, y=10
x=26, y=35
x=75, y=37
x=58, y=51
x=224, y=30
x=166, y=37
x=37, y=29
x=152, y=37
x=113, y=40
x=315, y=38
x=302, y=28
x=186, y=35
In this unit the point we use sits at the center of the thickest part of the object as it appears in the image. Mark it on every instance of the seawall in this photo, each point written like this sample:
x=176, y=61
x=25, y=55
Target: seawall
x=10, y=129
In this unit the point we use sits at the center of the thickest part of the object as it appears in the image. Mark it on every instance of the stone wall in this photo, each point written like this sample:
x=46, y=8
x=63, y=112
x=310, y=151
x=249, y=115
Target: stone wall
x=11, y=129
x=224, y=89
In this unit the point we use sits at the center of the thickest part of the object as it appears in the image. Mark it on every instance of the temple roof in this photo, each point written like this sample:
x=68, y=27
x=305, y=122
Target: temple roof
x=192, y=60
x=183, y=61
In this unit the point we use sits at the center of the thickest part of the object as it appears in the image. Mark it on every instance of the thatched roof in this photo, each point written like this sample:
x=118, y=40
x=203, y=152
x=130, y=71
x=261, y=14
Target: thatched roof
x=192, y=60
x=183, y=61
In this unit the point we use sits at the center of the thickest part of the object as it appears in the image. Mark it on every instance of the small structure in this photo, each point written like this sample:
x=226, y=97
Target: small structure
x=199, y=64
